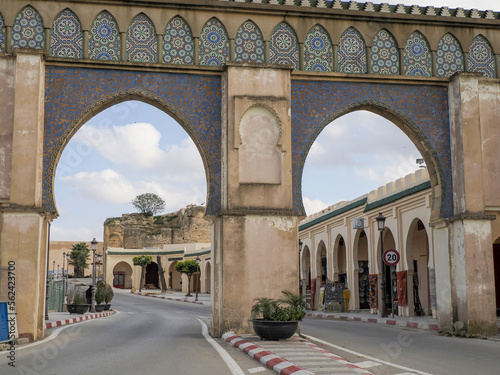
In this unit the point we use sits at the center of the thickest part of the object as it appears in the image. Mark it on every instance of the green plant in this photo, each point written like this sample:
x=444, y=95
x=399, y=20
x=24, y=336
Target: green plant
x=188, y=267
x=79, y=256
x=109, y=294
x=289, y=308
x=78, y=299
x=100, y=295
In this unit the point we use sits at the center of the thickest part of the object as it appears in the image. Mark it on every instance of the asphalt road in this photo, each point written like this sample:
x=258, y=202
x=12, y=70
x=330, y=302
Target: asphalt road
x=147, y=336
x=409, y=349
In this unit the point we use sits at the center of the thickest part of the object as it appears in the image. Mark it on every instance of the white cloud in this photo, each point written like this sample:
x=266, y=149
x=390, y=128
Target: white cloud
x=107, y=186
x=71, y=234
x=313, y=205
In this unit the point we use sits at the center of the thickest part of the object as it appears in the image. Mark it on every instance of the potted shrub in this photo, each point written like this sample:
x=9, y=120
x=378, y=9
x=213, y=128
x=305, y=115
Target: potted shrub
x=79, y=305
x=100, y=295
x=279, y=318
x=108, y=297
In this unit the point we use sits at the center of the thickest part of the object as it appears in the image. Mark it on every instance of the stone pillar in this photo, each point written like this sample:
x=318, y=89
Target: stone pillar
x=472, y=273
x=255, y=235
x=23, y=223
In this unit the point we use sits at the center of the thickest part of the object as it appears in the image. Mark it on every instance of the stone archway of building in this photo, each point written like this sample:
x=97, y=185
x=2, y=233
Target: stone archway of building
x=361, y=287
x=496, y=261
x=305, y=265
x=339, y=261
x=122, y=275
x=390, y=285
x=174, y=277
x=152, y=276
x=208, y=278
x=417, y=255
x=321, y=271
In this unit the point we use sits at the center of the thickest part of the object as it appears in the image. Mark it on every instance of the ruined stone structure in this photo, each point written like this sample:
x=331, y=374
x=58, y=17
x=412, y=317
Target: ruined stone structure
x=254, y=83
x=137, y=231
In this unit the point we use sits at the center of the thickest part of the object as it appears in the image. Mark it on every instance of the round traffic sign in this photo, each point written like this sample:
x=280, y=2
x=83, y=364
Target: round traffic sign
x=391, y=257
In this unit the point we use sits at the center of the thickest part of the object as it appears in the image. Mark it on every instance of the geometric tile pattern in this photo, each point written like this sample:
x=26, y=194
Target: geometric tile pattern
x=351, y=52
x=213, y=44
x=424, y=110
x=384, y=54
x=283, y=46
x=480, y=58
x=249, y=44
x=141, y=40
x=178, y=44
x=194, y=100
x=104, y=38
x=449, y=56
x=417, y=56
x=66, y=36
x=3, y=34
x=27, y=31
x=318, y=50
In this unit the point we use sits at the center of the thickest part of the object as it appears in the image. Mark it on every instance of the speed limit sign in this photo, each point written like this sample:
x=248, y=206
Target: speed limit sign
x=391, y=257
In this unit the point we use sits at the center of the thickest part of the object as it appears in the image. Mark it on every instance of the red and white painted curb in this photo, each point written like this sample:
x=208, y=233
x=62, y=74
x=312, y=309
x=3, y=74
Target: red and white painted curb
x=167, y=298
x=64, y=322
x=337, y=358
x=266, y=357
x=392, y=322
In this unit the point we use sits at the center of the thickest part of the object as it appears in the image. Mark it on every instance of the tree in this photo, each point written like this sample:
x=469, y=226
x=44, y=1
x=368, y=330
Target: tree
x=149, y=203
x=80, y=253
x=188, y=267
x=143, y=263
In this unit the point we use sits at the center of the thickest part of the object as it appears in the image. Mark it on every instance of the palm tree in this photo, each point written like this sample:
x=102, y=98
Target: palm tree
x=265, y=306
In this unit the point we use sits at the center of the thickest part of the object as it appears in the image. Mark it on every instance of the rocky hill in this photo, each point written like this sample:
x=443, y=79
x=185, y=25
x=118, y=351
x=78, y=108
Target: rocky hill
x=137, y=231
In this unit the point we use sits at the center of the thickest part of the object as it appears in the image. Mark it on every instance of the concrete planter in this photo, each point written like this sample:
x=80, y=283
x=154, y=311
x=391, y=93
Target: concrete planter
x=77, y=309
x=274, y=330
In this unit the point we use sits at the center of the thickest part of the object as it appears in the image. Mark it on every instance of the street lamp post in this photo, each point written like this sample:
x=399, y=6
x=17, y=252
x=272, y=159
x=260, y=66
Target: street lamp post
x=381, y=225
x=198, y=261
x=143, y=259
x=64, y=263
x=53, y=268
x=67, y=274
x=300, y=278
x=99, y=274
x=93, y=244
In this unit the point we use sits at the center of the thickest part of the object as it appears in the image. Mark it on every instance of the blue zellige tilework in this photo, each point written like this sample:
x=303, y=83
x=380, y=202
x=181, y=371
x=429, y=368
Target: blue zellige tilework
x=423, y=108
x=73, y=94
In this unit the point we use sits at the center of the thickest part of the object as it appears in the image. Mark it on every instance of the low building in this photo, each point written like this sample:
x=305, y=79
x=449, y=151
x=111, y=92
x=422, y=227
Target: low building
x=121, y=272
x=341, y=248
x=58, y=261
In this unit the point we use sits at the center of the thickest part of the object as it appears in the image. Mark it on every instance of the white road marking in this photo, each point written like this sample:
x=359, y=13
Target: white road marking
x=256, y=370
x=413, y=371
x=367, y=364
x=231, y=363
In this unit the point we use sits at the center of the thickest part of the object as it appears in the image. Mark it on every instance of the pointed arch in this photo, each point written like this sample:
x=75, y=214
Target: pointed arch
x=66, y=36
x=141, y=40
x=178, y=44
x=481, y=58
x=384, y=53
x=449, y=56
x=318, y=50
x=351, y=52
x=213, y=44
x=3, y=34
x=284, y=47
x=249, y=43
x=104, y=38
x=417, y=56
x=28, y=31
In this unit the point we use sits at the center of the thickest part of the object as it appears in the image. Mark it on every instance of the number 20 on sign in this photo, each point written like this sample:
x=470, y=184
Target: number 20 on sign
x=391, y=257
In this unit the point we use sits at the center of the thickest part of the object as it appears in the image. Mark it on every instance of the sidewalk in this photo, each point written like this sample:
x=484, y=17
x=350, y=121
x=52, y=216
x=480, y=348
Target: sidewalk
x=418, y=322
x=57, y=319
x=203, y=299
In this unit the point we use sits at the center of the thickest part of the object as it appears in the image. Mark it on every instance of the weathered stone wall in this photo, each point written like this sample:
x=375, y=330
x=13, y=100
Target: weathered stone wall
x=137, y=231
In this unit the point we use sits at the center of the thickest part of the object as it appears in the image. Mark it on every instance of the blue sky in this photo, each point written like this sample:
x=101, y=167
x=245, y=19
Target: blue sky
x=133, y=148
